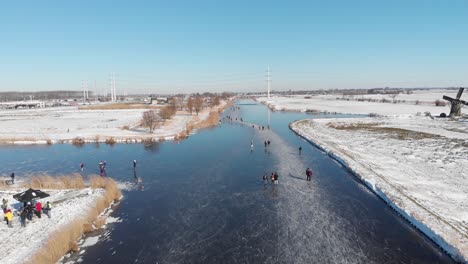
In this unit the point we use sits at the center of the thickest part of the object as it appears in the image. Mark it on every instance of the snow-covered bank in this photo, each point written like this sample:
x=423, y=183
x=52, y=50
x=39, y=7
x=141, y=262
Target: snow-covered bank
x=334, y=103
x=63, y=125
x=45, y=240
x=416, y=164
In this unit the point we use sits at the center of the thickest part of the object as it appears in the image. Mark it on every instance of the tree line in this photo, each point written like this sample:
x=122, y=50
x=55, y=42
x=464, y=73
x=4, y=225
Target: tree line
x=194, y=103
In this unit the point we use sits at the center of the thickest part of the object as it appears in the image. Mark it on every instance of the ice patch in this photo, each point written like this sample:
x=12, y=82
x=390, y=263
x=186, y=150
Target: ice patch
x=90, y=241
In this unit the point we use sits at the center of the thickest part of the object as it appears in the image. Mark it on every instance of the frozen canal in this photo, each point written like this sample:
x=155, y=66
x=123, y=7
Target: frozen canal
x=203, y=200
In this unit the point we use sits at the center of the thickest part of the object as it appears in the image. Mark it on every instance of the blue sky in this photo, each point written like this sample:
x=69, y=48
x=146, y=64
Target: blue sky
x=189, y=46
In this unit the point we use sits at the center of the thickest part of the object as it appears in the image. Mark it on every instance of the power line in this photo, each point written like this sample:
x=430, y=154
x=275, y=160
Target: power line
x=268, y=80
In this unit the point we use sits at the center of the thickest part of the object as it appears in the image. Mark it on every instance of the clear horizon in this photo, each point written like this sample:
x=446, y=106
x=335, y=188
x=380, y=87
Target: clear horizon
x=208, y=46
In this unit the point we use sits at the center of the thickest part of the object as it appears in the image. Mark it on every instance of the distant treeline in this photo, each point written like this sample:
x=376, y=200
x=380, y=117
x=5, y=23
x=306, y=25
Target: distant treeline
x=42, y=95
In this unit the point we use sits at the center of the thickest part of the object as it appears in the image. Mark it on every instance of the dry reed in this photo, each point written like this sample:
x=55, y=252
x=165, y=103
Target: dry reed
x=110, y=141
x=78, y=141
x=74, y=181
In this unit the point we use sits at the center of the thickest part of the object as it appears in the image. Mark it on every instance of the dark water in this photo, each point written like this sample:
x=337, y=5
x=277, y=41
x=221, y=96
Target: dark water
x=204, y=202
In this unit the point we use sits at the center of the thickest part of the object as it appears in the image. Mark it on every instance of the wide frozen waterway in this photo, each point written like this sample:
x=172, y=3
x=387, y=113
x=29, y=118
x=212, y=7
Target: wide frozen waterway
x=203, y=200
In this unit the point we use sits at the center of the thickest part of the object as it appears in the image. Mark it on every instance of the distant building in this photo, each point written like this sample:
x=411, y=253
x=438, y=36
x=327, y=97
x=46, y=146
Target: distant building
x=157, y=100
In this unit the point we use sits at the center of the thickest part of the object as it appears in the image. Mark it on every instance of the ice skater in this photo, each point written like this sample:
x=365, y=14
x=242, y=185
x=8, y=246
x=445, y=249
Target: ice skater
x=82, y=166
x=300, y=150
x=265, y=178
x=12, y=178
x=134, y=164
x=276, y=178
x=309, y=174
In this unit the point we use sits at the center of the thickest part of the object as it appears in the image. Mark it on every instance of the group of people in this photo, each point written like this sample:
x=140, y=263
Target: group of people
x=267, y=143
x=273, y=177
x=27, y=212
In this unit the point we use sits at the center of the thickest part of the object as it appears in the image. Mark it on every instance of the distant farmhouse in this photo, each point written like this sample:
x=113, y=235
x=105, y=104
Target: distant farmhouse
x=154, y=100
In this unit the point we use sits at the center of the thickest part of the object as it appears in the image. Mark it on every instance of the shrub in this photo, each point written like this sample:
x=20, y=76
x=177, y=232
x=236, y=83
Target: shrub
x=167, y=112
x=110, y=141
x=78, y=141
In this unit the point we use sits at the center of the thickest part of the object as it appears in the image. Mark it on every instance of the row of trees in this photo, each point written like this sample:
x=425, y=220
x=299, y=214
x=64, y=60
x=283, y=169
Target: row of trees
x=195, y=103
x=151, y=119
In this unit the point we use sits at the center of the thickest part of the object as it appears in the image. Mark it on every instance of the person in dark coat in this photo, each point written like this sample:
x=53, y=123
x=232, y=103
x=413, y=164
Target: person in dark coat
x=12, y=178
x=29, y=210
x=23, y=216
x=309, y=174
x=265, y=178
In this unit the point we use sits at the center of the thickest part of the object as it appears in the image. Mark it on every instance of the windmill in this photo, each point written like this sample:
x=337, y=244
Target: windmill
x=456, y=104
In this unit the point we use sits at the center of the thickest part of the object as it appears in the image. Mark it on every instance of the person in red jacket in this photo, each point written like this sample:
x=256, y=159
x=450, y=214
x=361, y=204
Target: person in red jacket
x=38, y=209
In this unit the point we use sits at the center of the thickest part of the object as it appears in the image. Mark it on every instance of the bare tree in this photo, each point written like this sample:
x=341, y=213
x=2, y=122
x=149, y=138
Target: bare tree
x=215, y=101
x=198, y=104
x=167, y=112
x=393, y=96
x=178, y=102
x=190, y=105
x=150, y=120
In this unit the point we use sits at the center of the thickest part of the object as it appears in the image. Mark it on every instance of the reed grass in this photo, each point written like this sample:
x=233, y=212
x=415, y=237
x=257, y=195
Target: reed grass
x=110, y=141
x=78, y=141
x=74, y=181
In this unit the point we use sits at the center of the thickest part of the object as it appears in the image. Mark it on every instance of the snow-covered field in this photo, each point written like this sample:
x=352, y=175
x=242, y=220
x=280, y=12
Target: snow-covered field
x=417, y=164
x=18, y=244
x=329, y=103
x=66, y=123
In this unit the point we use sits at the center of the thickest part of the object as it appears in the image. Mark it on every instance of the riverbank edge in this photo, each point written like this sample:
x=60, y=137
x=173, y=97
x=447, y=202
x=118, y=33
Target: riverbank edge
x=449, y=249
x=191, y=128
x=65, y=239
